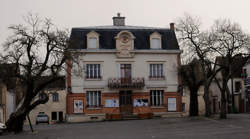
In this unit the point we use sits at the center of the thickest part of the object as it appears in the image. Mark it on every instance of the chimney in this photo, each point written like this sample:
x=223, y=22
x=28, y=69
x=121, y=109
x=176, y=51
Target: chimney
x=118, y=20
x=172, y=26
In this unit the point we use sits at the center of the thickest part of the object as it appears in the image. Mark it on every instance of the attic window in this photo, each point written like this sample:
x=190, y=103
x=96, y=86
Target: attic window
x=155, y=40
x=156, y=43
x=92, y=40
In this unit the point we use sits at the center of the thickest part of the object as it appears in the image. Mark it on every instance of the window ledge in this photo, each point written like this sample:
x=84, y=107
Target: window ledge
x=78, y=113
x=97, y=108
x=157, y=107
x=156, y=79
x=97, y=79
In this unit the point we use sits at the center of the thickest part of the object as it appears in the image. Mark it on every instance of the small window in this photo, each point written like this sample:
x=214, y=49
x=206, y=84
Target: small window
x=156, y=97
x=237, y=86
x=92, y=42
x=55, y=97
x=156, y=71
x=156, y=43
x=93, y=71
x=183, y=91
x=183, y=107
x=54, y=116
x=172, y=104
x=93, y=98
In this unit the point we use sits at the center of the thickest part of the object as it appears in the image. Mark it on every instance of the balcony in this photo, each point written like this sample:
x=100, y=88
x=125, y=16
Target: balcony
x=126, y=83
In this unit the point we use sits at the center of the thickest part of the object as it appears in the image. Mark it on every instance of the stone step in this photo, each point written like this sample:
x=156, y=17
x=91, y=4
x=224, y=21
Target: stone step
x=130, y=117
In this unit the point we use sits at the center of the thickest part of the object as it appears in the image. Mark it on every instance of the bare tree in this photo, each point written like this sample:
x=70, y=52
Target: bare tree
x=231, y=42
x=37, y=48
x=193, y=79
x=196, y=44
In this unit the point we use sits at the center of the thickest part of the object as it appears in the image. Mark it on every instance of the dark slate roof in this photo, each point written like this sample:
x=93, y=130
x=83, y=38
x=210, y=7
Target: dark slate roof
x=107, y=33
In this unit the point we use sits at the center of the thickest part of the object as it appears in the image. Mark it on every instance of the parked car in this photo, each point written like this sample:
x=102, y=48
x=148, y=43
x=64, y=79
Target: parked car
x=42, y=118
x=2, y=128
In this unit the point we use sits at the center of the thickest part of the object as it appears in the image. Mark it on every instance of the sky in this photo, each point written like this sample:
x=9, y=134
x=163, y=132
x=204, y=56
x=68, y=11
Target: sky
x=156, y=13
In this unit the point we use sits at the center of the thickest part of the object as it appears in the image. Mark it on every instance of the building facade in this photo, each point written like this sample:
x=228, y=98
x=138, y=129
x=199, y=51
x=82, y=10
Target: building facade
x=124, y=70
x=246, y=85
x=55, y=108
x=10, y=91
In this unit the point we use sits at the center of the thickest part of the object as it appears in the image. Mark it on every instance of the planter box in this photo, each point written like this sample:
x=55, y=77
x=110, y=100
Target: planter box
x=145, y=115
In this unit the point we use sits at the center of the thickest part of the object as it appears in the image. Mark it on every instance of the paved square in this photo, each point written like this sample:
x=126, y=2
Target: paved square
x=236, y=126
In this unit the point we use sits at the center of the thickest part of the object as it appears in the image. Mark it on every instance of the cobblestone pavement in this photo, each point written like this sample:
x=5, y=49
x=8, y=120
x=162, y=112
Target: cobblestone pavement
x=237, y=126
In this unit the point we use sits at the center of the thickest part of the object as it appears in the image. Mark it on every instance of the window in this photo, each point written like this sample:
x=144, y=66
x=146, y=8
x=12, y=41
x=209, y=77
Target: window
x=93, y=71
x=156, y=97
x=183, y=91
x=78, y=106
x=54, y=115
x=237, y=86
x=155, y=40
x=156, y=43
x=171, y=104
x=55, y=97
x=92, y=42
x=93, y=98
x=183, y=107
x=156, y=71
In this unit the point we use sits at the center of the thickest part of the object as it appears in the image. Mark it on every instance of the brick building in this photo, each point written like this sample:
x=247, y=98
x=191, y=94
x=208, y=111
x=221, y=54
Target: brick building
x=122, y=69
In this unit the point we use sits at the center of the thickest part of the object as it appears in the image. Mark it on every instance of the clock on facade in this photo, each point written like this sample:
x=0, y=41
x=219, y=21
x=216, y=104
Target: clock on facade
x=125, y=38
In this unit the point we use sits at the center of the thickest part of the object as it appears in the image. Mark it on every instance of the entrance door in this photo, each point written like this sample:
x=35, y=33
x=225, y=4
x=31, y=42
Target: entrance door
x=126, y=107
x=125, y=73
x=60, y=116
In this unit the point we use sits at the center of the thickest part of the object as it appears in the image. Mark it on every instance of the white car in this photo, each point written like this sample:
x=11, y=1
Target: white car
x=42, y=118
x=2, y=127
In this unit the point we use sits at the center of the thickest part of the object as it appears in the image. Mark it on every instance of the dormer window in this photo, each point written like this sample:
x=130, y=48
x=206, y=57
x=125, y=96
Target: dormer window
x=92, y=40
x=155, y=41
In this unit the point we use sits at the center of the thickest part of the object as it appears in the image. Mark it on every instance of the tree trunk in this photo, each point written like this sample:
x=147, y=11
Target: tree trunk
x=194, y=107
x=15, y=122
x=223, y=111
x=207, y=102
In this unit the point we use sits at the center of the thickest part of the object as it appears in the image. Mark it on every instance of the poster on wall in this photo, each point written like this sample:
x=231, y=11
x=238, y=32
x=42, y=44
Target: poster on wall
x=172, y=104
x=140, y=102
x=111, y=103
x=78, y=106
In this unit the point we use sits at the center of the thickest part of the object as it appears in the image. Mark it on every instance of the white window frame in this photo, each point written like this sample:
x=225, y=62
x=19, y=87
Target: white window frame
x=92, y=35
x=156, y=70
x=94, y=99
x=157, y=98
x=93, y=71
x=153, y=37
x=92, y=42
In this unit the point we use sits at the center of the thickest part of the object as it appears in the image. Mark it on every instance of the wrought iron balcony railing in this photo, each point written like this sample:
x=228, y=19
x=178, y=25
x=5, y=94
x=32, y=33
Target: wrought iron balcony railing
x=126, y=83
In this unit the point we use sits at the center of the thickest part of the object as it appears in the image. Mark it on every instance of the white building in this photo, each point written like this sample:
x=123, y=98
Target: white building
x=124, y=70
